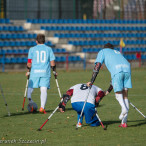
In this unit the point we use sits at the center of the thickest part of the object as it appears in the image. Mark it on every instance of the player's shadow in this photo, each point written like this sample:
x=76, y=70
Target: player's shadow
x=19, y=114
x=69, y=109
x=142, y=122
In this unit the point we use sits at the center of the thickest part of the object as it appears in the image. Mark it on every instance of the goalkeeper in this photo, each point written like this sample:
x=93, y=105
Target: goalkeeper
x=79, y=93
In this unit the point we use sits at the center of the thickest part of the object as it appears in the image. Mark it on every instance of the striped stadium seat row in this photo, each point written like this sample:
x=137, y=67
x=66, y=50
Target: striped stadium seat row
x=17, y=36
x=101, y=42
x=92, y=50
x=21, y=43
x=25, y=51
x=96, y=35
x=81, y=21
x=4, y=21
x=93, y=28
x=24, y=59
x=11, y=28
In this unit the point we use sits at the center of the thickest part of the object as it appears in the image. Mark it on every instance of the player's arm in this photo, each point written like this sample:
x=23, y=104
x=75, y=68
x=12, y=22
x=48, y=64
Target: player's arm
x=99, y=97
x=95, y=73
x=53, y=66
x=109, y=89
x=101, y=94
x=66, y=97
x=29, y=62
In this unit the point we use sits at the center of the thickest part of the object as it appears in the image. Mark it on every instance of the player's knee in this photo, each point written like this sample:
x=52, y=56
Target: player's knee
x=43, y=89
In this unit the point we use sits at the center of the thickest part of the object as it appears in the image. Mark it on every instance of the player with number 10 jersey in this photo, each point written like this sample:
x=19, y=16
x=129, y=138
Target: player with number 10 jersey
x=40, y=61
x=41, y=56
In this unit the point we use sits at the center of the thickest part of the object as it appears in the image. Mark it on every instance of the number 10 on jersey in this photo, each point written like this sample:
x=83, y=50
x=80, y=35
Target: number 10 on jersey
x=41, y=56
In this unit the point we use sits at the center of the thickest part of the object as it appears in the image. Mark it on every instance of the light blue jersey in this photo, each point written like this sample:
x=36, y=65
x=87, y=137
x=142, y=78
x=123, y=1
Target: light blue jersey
x=114, y=61
x=41, y=56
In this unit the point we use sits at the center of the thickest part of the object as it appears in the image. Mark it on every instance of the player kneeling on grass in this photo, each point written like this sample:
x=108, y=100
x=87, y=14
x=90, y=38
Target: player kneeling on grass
x=79, y=94
x=40, y=61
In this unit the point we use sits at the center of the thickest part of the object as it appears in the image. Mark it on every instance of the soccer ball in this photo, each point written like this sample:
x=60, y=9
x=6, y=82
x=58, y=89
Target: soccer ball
x=32, y=107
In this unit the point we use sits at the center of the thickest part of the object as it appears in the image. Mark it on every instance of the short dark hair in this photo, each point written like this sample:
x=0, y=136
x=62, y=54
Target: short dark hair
x=41, y=38
x=108, y=45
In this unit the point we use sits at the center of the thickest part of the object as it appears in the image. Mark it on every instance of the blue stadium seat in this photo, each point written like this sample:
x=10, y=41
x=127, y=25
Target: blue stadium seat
x=62, y=58
x=43, y=28
x=29, y=21
x=20, y=51
x=20, y=28
x=13, y=36
x=30, y=36
x=10, y=28
x=13, y=60
x=18, y=60
x=7, y=60
x=35, y=21
x=24, y=59
x=34, y=35
x=5, y=28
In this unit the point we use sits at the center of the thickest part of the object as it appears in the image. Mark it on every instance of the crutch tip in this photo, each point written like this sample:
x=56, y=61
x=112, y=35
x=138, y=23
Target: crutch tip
x=22, y=109
x=39, y=129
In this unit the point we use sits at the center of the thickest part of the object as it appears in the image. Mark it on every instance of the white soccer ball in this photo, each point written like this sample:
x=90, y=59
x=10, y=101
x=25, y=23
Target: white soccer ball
x=32, y=107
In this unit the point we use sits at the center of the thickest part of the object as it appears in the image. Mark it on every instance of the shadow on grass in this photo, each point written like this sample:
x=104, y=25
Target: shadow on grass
x=37, y=112
x=142, y=122
x=107, y=123
x=19, y=114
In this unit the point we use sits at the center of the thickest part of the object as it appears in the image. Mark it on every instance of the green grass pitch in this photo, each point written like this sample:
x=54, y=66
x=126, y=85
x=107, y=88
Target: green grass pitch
x=21, y=127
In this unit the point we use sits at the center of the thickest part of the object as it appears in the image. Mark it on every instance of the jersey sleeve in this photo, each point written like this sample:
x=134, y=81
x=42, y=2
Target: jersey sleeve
x=100, y=57
x=30, y=53
x=52, y=56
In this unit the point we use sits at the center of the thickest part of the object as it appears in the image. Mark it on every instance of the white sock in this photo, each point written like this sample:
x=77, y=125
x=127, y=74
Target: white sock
x=43, y=96
x=120, y=99
x=124, y=120
x=29, y=92
x=126, y=103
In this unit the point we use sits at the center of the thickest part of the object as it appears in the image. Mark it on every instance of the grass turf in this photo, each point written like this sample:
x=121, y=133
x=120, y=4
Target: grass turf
x=21, y=127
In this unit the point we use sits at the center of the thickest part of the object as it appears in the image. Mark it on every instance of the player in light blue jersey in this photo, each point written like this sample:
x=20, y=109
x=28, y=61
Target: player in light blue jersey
x=120, y=71
x=40, y=61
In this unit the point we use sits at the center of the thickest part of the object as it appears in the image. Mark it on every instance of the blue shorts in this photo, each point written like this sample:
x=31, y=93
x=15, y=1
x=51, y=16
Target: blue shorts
x=89, y=112
x=36, y=82
x=121, y=80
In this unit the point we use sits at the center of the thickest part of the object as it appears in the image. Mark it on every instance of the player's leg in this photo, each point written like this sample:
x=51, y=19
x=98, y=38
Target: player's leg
x=43, y=98
x=127, y=84
x=118, y=86
x=77, y=106
x=44, y=84
x=125, y=96
x=29, y=92
x=33, y=83
x=90, y=115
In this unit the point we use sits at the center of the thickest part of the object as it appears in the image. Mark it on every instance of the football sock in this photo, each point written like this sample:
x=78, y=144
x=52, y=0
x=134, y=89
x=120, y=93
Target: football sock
x=120, y=99
x=126, y=103
x=29, y=92
x=124, y=120
x=43, y=96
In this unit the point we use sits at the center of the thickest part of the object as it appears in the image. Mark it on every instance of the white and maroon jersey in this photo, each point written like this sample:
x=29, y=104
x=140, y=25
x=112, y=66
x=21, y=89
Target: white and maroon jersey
x=80, y=92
